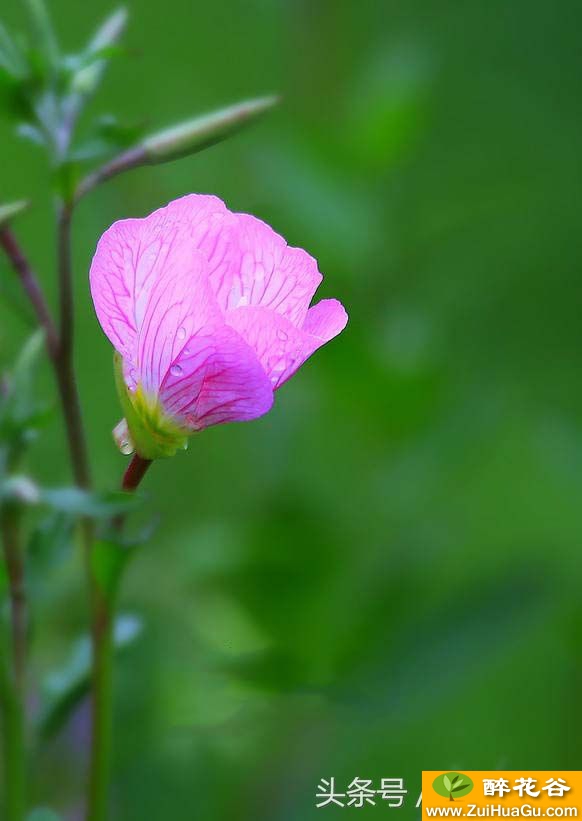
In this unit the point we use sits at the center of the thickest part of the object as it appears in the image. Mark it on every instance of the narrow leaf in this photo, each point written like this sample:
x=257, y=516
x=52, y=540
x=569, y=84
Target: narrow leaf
x=44, y=32
x=65, y=688
x=43, y=814
x=101, y=48
x=11, y=210
x=447, y=782
x=94, y=505
x=10, y=56
x=19, y=490
x=49, y=543
x=28, y=131
x=20, y=412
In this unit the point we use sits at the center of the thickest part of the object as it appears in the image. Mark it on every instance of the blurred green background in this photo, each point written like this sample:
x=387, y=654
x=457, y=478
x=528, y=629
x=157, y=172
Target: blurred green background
x=383, y=575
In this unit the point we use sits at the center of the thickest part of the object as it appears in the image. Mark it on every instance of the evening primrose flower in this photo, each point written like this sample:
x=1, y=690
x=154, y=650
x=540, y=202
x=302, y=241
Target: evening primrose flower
x=208, y=312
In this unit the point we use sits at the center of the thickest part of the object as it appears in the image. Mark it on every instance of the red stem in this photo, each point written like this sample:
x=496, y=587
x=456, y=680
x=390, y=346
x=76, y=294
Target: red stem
x=135, y=472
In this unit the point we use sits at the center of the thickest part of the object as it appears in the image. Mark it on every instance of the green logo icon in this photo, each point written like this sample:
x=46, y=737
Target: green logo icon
x=452, y=785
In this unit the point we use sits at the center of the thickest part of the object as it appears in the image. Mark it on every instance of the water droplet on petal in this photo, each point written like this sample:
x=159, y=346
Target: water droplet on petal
x=176, y=370
x=282, y=335
x=122, y=437
x=181, y=333
x=244, y=300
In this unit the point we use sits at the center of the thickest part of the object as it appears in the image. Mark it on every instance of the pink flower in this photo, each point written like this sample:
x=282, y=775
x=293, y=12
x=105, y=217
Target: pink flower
x=209, y=313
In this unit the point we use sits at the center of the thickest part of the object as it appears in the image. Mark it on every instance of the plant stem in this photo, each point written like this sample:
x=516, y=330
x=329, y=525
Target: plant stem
x=101, y=617
x=102, y=633
x=102, y=699
x=15, y=570
x=132, y=158
x=135, y=472
x=59, y=344
x=60, y=349
x=13, y=683
x=64, y=364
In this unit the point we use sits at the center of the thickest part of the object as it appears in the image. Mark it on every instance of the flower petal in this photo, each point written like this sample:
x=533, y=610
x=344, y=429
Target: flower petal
x=326, y=319
x=131, y=253
x=206, y=223
x=180, y=303
x=270, y=273
x=280, y=346
x=216, y=378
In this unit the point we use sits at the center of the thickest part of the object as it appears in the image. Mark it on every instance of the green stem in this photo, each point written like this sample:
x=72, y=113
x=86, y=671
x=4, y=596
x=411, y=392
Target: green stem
x=102, y=633
x=13, y=750
x=101, y=617
x=12, y=674
x=64, y=364
x=99, y=775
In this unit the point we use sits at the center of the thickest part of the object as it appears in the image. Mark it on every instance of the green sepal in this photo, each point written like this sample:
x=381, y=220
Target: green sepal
x=154, y=434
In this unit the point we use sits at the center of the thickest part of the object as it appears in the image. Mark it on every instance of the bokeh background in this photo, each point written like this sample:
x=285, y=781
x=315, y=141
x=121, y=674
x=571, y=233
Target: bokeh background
x=383, y=574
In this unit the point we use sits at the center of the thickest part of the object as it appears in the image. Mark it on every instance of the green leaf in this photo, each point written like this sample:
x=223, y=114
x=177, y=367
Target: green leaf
x=64, y=689
x=108, y=562
x=15, y=101
x=21, y=414
x=447, y=782
x=11, y=58
x=79, y=502
x=19, y=490
x=459, y=787
x=30, y=132
x=107, y=136
x=43, y=814
x=27, y=359
x=102, y=47
x=43, y=32
x=50, y=541
x=11, y=210
x=73, y=64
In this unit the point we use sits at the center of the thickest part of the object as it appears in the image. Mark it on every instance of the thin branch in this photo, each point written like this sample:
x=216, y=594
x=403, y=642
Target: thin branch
x=132, y=158
x=31, y=287
x=103, y=620
x=135, y=472
x=66, y=306
x=13, y=556
x=13, y=681
x=64, y=364
x=59, y=343
x=185, y=138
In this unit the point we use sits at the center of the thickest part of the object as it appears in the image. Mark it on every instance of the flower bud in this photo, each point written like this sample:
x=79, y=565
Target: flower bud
x=203, y=131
